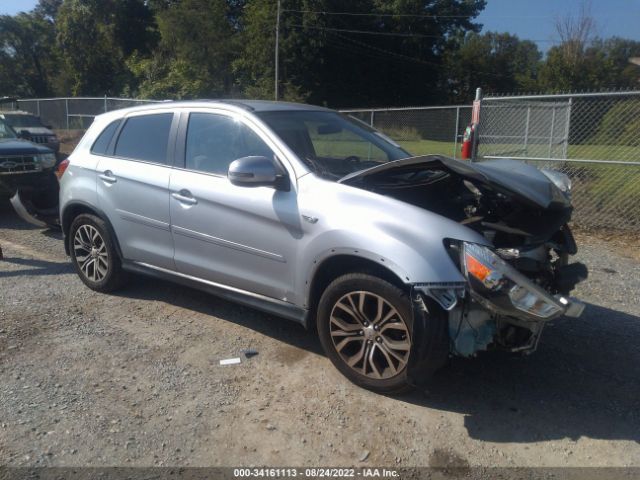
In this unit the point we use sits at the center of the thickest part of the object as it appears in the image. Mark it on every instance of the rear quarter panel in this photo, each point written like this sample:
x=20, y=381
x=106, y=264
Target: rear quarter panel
x=78, y=184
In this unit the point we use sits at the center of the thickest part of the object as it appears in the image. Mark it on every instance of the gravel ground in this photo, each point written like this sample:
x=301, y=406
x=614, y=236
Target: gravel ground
x=133, y=379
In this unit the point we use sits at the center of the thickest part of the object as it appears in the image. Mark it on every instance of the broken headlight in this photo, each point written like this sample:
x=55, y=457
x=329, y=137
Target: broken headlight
x=560, y=180
x=503, y=287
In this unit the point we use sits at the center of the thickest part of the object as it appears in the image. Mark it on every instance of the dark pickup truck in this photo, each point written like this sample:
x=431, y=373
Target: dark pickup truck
x=27, y=175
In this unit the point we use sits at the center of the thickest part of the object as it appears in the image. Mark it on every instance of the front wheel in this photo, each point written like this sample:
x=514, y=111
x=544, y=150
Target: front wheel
x=365, y=326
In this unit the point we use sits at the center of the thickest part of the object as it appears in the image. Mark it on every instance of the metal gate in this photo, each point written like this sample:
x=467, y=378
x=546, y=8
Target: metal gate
x=594, y=138
x=523, y=130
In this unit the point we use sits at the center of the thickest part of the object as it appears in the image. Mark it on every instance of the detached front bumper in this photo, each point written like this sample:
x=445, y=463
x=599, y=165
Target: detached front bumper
x=573, y=306
x=496, y=305
x=504, y=291
x=37, y=203
x=448, y=297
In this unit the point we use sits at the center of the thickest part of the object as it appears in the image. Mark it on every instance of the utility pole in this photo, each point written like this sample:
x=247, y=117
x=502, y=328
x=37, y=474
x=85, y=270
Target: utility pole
x=277, y=45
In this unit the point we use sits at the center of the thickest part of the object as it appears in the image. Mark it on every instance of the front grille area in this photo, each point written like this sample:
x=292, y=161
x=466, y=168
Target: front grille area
x=18, y=164
x=41, y=138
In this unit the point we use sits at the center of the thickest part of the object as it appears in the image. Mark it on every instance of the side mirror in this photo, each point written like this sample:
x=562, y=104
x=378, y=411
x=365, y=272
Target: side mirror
x=257, y=172
x=24, y=134
x=50, y=127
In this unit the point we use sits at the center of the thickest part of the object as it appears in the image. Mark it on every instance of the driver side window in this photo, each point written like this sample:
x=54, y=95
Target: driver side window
x=214, y=141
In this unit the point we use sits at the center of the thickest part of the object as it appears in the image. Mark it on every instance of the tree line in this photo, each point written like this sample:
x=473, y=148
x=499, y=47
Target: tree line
x=339, y=53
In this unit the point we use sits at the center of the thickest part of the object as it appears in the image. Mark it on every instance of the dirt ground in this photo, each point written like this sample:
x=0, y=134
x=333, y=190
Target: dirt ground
x=133, y=379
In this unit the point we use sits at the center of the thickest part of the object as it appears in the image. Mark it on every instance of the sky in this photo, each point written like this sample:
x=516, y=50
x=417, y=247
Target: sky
x=529, y=19
x=535, y=19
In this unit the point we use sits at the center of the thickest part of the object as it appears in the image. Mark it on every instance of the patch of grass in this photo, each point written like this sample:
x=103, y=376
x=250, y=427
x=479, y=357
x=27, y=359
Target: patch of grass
x=606, y=194
x=621, y=153
x=430, y=147
x=402, y=133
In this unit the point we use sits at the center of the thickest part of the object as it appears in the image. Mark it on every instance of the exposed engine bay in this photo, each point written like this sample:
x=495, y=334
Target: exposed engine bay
x=523, y=212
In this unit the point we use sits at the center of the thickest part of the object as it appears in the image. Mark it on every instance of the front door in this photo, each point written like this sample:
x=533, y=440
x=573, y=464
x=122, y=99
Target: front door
x=236, y=236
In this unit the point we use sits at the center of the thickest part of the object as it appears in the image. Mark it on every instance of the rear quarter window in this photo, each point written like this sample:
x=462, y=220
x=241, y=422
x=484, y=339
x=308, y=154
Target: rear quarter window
x=145, y=138
x=101, y=145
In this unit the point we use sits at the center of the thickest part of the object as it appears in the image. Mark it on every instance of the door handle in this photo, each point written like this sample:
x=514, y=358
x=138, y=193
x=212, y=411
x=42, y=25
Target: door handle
x=184, y=196
x=108, y=177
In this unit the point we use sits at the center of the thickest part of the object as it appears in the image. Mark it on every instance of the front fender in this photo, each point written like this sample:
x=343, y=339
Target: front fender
x=430, y=265
x=403, y=238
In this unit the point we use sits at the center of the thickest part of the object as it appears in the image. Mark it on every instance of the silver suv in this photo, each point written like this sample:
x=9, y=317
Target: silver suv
x=308, y=214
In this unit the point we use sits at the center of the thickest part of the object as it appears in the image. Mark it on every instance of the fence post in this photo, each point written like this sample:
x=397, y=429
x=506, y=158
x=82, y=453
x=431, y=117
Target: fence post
x=372, y=117
x=553, y=124
x=526, y=131
x=455, y=134
x=105, y=103
x=475, y=118
x=66, y=109
x=38, y=106
x=565, y=147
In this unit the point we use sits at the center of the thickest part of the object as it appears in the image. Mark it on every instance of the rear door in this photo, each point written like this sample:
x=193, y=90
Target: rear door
x=133, y=186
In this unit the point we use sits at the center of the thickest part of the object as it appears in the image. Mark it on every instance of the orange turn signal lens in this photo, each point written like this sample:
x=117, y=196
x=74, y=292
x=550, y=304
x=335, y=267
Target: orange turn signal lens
x=62, y=168
x=477, y=269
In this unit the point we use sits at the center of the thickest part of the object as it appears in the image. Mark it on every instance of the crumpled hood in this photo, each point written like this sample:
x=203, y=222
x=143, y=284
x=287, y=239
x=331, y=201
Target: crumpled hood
x=510, y=176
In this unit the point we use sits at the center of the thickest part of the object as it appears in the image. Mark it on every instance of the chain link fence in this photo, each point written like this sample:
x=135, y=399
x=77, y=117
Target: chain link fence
x=72, y=113
x=420, y=130
x=593, y=138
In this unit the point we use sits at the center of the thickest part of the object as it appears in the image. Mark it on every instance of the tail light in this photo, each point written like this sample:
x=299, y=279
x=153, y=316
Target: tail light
x=62, y=167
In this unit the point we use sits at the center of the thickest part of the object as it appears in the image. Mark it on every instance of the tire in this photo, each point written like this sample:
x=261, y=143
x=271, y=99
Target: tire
x=93, y=254
x=373, y=334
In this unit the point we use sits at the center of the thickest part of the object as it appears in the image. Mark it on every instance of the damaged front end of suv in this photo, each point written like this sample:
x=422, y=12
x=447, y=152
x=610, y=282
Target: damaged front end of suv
x=512, y=288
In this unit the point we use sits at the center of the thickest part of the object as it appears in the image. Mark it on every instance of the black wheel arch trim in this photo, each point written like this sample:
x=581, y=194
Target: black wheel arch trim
x=430, y=340
x=65, y=223
x=317, y=264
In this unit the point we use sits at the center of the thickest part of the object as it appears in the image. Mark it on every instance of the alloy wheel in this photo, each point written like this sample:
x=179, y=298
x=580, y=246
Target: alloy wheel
x=370, y=335
x=90, y=253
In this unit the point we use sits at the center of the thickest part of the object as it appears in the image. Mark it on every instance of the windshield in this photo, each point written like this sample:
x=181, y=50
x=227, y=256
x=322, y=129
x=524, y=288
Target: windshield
x=5, y=130
x=17, y=121
x=332, y=144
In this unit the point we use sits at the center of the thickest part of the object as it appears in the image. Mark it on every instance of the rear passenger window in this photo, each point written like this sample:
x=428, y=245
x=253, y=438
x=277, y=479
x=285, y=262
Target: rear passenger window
x=145, y=138
x=101, y=144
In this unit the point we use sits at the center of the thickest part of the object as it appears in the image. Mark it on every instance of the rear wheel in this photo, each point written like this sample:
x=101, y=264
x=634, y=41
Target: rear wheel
x=365, y=326
x=93, y=254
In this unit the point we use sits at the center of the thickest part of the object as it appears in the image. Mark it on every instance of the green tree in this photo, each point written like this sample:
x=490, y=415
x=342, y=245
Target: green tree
x=255, y=67
x=497, y=62
x=195, y=50
x=91, y=54
x=27, y=55
x=327, y=59
x=96, y=37
x=603, y=64
x=48, y=8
